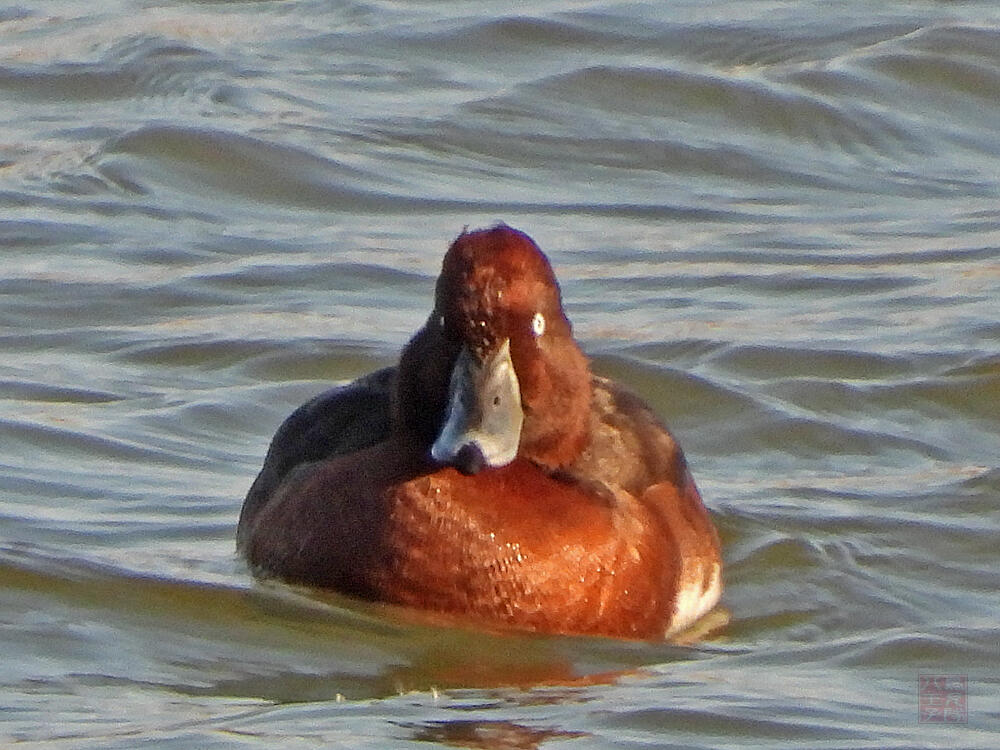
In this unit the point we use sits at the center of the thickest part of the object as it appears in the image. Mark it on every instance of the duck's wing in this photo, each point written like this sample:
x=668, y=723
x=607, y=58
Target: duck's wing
x=630, y=449
x=336, y=422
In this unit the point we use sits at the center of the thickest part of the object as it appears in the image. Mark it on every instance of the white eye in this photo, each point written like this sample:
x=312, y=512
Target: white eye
x=441, y=321
x=538, y=324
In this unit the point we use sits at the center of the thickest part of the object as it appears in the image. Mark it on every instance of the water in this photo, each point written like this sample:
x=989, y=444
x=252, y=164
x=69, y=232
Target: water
x=779, y=222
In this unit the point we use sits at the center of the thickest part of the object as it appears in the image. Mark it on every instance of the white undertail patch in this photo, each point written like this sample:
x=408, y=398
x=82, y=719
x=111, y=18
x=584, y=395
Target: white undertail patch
x=694, y=599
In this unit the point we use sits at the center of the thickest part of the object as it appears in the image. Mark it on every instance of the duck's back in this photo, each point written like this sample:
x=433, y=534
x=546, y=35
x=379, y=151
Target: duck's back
x=337, y=422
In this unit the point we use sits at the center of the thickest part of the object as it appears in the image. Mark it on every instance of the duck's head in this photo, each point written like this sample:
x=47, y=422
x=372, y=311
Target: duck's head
x=495, y=373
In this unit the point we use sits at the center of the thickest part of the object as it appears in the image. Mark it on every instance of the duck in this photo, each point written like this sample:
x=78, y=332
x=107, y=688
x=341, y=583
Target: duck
x=489, y=475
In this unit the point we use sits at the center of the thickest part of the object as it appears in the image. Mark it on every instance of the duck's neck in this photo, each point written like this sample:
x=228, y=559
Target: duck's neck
x=557, y=411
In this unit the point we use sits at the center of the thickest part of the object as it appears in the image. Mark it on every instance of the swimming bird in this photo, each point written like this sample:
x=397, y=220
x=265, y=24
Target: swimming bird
x=489, y=475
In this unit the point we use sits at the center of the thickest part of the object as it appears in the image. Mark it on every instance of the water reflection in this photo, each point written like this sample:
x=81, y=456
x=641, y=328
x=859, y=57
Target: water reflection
x=490, y=735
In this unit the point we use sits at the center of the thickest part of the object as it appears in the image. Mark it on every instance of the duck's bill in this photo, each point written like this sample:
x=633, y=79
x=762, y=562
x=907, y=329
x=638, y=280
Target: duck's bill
x=482, y=426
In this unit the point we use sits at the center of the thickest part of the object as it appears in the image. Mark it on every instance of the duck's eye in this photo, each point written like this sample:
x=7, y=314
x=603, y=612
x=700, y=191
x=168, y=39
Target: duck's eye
x=538, y=324
x=440, y=321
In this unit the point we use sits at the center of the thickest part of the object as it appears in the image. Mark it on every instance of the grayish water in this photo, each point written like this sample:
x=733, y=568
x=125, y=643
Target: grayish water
x=779, y=222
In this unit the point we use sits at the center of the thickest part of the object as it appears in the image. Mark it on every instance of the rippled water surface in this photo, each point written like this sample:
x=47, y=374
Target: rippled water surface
x=779, y=222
